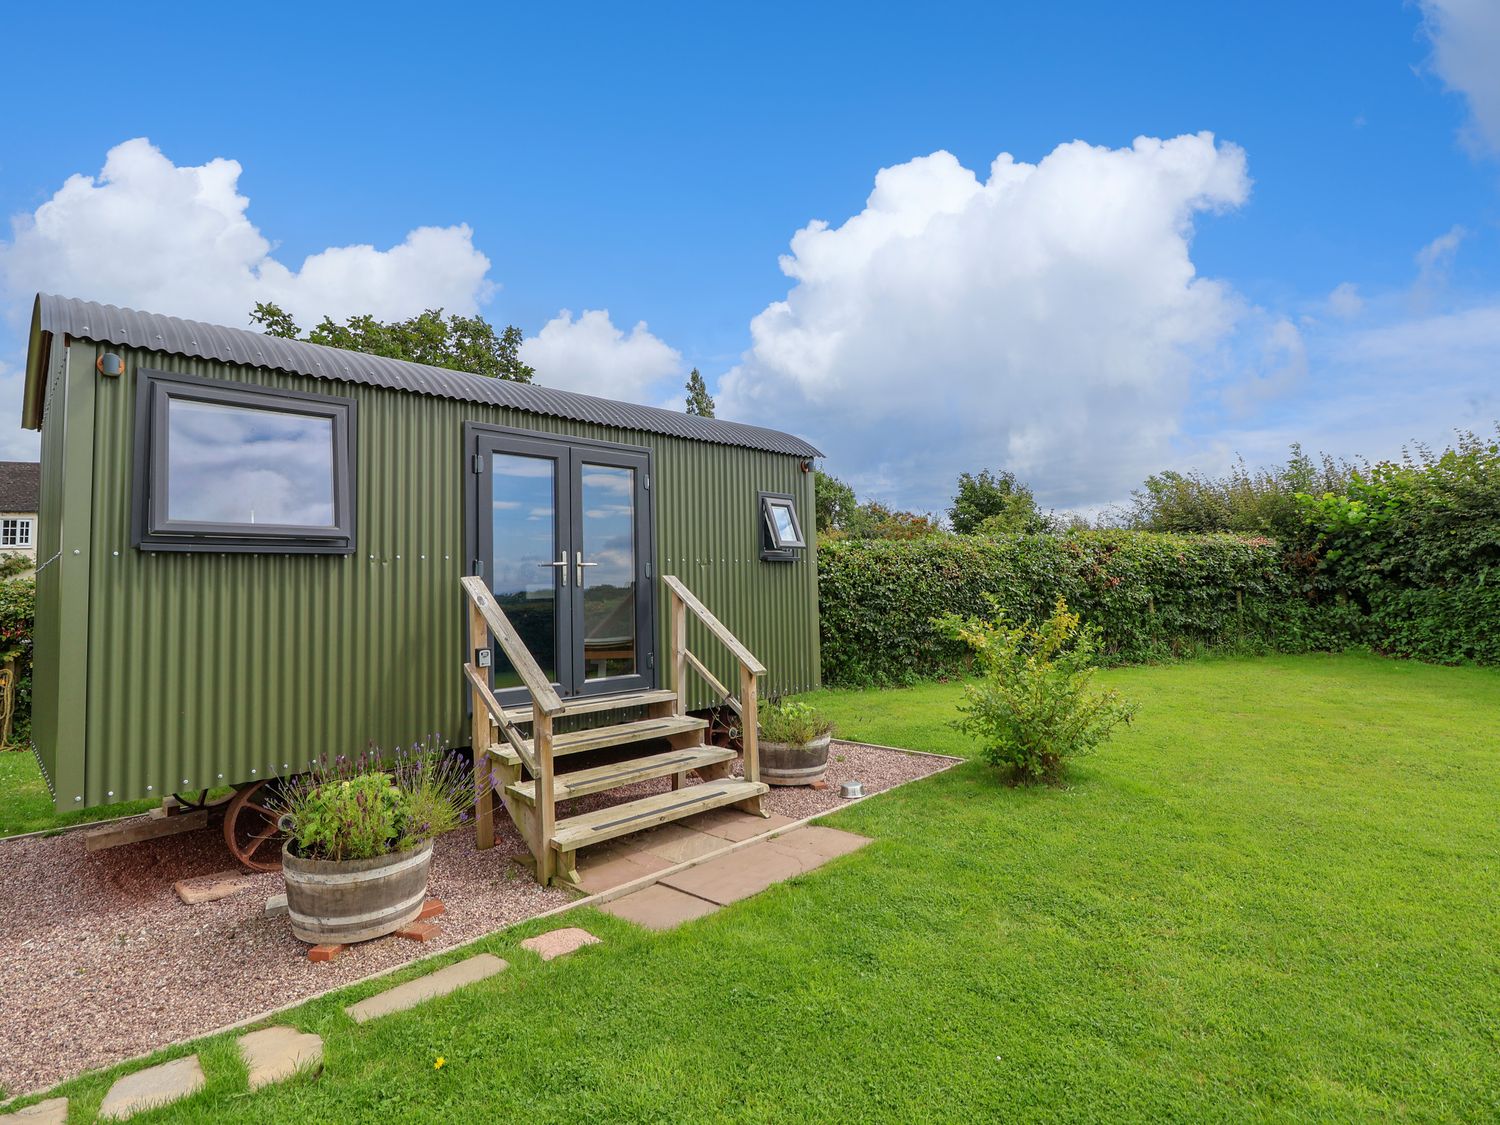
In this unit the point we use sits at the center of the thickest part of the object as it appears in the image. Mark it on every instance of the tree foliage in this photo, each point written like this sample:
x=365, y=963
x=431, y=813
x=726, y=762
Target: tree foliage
x=461, y=343
x=699, y=401
x=1249, y=501
x=994, y=502
x=833, y=501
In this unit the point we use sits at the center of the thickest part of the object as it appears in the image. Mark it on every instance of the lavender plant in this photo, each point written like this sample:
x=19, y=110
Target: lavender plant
x=367, y=806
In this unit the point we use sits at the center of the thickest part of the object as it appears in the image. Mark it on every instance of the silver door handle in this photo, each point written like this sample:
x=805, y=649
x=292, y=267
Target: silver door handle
x=563, y=562
x=578, y=561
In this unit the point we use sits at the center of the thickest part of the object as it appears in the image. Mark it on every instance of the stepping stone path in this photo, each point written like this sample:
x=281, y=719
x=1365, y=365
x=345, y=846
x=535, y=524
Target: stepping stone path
x=154, y=1086
x=274, y=1054
x=559, y=943
x=53, y=1111
x=696, y=891
x=439, y=983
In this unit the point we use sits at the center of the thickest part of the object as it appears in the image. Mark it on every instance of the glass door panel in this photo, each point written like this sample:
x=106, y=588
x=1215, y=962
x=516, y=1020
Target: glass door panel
x=524, y=551
x=606, y=565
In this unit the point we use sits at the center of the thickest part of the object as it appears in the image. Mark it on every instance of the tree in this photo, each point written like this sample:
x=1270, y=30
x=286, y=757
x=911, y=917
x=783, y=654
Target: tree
x=833, y=501
x=699, y=401
x=995, y=503
x=461, y=343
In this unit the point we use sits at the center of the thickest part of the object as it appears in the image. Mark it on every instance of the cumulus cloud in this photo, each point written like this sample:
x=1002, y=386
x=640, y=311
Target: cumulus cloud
x=1465, y=37
x=591, y=355
x=1048, y=319
x=1345, y=302
x=148, y=234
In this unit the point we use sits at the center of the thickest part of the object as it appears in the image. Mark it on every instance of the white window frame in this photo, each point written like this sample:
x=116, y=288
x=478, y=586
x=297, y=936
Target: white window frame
x=20, y=529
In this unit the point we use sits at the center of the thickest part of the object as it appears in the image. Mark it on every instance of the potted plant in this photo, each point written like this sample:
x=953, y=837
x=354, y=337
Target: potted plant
x=794, y=739
x=359, y=839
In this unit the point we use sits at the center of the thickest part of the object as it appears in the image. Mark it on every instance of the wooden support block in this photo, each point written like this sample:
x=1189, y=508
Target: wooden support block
x=143, y=828
x=418, y=931
x=325, y=952
x=431, y=909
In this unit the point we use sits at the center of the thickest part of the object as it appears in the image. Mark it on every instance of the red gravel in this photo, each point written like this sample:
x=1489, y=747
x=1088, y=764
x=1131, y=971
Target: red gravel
x=100, y=961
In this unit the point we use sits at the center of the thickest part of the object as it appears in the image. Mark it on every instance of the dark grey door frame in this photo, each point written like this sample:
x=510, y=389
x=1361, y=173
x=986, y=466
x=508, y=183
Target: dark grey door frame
x=571, y=454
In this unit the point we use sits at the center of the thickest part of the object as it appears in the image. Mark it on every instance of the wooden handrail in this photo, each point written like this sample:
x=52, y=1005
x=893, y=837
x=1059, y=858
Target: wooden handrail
x=747, y=704
x=715, y=626
x=543, y=696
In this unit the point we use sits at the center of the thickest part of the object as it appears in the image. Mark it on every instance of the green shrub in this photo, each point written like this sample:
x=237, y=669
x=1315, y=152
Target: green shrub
x=17, y=613
x=361, y=808
x=792, y=721
x=1035, y=705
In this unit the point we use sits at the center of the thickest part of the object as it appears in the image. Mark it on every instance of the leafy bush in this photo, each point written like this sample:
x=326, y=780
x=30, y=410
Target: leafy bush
x=792, y=721
x=17, y=613
x=1152, y=597
x=359, y=809
x=1413, y=546
x=1035, y=706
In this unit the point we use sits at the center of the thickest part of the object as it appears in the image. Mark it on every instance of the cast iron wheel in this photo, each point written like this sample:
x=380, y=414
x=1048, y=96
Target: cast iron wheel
x=250, y=827
x=192, y=803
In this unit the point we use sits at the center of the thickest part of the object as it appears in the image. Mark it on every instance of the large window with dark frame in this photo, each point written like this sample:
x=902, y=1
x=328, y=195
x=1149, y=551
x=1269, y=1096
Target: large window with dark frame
x=231, y=467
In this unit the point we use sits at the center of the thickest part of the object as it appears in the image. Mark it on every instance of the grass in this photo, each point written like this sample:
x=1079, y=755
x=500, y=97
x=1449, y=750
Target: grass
x=26, y=806
x=1271, y=898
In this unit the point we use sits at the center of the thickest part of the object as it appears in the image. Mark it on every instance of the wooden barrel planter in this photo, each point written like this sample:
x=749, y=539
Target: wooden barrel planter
x=343, y=901
x=791, y=763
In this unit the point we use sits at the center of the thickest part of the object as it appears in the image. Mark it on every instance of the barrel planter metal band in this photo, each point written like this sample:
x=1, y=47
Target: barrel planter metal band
x=342, y=901
x=789, y=763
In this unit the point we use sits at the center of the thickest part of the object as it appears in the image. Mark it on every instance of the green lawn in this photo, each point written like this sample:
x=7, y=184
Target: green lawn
x=26, y=806
x=1273, y=897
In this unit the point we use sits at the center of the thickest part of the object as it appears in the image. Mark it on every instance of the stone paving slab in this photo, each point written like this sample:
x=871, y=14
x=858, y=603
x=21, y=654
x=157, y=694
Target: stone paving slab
x=438, y=983
x=559, y=943
x=53, y=1111
x=659, y=908
x=740, y=874
x=154, y=1086
x=599, y=869
x=211, y=888
x=824, y=843
x=274, y=1054
x=734, y=825
x=677, y=844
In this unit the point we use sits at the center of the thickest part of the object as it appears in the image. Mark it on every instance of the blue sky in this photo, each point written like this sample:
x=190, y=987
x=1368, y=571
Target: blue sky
x=655, y=164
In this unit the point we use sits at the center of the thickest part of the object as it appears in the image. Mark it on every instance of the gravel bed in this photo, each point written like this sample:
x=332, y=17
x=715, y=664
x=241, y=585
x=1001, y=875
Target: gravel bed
x=100, y=961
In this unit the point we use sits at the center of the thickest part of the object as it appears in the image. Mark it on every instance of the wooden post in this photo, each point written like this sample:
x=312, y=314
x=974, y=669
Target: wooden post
x=750, y=723
x=679, y=652
x=484, y=791
x=546, y=810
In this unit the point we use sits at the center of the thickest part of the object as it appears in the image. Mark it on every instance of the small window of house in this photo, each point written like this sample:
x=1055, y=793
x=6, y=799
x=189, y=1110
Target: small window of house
x=16, y=532
x=227, y=467
x=782, y=531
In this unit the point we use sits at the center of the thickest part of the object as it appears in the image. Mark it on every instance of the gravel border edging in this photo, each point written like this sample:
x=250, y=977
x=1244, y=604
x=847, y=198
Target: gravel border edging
x=598, y=898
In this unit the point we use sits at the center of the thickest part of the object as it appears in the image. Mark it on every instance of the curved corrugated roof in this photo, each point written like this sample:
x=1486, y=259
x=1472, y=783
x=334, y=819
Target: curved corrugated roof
x=89, y=320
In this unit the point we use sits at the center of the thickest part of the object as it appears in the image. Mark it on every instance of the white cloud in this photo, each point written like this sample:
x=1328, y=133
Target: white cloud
x=1048, y=319
x=1435, y=264
x=591, y=355
x=148, y=234
x=1465, y=37
x=1345, y=301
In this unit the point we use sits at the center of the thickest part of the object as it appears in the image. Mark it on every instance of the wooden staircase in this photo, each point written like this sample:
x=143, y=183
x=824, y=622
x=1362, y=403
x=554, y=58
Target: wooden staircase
x=521, y=767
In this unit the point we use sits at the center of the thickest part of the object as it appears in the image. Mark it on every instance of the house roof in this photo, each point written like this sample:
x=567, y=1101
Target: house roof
x=89, y=320
x=20, y=486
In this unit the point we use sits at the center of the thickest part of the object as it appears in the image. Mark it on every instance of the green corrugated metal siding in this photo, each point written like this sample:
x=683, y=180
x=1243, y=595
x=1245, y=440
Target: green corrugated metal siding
x=208, y=668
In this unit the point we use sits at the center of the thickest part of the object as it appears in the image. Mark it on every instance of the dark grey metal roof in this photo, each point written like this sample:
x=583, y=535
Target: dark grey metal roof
x=89, y=320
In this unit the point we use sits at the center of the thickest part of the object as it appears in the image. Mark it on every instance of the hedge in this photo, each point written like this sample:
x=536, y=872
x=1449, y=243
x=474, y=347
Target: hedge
x=17, y=611
x=1153, y=596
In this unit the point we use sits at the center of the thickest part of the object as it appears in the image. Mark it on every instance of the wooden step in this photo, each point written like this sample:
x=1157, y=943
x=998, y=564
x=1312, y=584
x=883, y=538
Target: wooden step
x=597, y=738
x=594, y=703
x=634, y=816
x=599, y=778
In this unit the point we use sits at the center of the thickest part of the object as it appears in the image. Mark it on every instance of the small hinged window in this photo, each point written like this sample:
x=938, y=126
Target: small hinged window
x=781, y=529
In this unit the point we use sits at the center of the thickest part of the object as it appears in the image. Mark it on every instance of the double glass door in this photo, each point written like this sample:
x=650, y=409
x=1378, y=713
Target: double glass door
x=564, y=543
